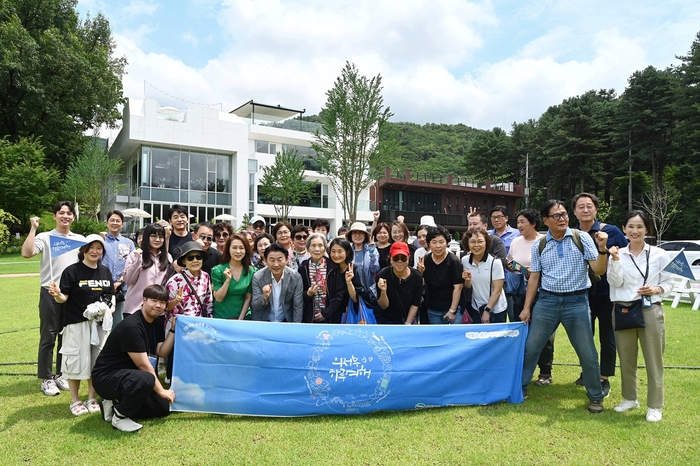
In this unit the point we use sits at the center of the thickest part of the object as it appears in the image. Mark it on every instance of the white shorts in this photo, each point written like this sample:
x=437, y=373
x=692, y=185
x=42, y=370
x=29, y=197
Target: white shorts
x=79, y=355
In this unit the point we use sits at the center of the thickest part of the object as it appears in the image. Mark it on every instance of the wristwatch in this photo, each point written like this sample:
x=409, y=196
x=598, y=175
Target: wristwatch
x=453, y=311
x=602, y=252
x=487, y=309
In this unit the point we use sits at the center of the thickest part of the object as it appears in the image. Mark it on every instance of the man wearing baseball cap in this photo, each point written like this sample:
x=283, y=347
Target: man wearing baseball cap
x=257, y=225
x=400, y=288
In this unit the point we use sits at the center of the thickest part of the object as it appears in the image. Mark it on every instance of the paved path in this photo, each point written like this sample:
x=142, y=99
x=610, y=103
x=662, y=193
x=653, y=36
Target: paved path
x=17, y=275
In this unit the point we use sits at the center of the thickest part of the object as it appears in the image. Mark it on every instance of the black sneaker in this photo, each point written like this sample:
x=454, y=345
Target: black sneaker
x=524, y=394
x=579, y=381
x=605, y=383
x=596, y=407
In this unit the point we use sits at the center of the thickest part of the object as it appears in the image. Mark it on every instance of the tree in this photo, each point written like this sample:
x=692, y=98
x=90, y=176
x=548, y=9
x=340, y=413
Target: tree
x=348, y=148
x=91, y=174
x=662, y=206
x=646, y=118
x=282, y=183
x=27, y=187
x=489, y=154
x=6, y=220
x=58, y=77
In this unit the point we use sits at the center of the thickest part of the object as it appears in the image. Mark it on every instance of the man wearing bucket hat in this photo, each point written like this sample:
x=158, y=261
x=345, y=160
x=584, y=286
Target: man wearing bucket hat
x=366, y=261
x=400, y=288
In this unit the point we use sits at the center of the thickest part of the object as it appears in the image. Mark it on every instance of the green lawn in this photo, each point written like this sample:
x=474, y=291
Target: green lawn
x=15, y=263
x=551, y=427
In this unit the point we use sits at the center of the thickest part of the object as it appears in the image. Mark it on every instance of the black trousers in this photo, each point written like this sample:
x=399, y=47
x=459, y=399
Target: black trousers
x=602, y=309
x=133, y=389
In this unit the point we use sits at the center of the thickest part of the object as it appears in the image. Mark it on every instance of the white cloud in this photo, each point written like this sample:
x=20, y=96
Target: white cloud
x=199, y=336
x=290, y=53
x=137, y=8
x=189, y=393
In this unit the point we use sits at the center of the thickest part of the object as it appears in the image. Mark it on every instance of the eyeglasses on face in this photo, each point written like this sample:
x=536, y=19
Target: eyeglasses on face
x=222, y=234
x=399, y=258
x=558, y=217
x=207, y=238
x=194, y=257
x=301, y=237
x=498, y=217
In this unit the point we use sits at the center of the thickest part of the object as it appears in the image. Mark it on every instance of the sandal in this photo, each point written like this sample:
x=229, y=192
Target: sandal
x=78, y=409
x=92, y=406
x=543, y=380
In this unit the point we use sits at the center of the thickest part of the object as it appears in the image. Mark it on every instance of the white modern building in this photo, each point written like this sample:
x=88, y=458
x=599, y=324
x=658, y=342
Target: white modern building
x=211, y=162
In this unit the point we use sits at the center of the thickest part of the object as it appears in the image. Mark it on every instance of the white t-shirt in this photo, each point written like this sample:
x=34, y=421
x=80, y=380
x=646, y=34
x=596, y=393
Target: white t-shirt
x=481, y=292
x=52, y=266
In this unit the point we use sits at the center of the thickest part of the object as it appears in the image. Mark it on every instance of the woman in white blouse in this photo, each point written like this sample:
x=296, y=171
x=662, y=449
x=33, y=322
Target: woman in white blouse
x=635, y=272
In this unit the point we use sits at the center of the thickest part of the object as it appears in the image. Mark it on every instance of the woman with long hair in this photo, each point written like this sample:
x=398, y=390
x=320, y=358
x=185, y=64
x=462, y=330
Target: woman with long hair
x=382, y=238
x=340, y=280
x=146, y=266
x=635, y=274
x=232, y=280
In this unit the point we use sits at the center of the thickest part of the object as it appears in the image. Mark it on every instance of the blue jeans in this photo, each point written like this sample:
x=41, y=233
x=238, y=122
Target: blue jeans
x=435, y=317
x=573, y=313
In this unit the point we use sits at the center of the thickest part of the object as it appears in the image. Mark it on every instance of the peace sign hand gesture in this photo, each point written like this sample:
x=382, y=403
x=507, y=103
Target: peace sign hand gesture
x=349, y=274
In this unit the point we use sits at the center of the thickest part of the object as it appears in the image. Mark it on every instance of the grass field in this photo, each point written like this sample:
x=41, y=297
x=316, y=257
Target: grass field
x=15, y=263
x=551, y=427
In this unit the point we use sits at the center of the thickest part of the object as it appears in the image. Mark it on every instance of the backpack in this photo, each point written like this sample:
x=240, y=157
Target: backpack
x=594, y=277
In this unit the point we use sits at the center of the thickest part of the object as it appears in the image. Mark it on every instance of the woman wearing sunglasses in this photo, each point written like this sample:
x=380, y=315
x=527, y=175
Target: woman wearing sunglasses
x=299, y=253
x=400, y=288
x=222, y=231
x=189, y=292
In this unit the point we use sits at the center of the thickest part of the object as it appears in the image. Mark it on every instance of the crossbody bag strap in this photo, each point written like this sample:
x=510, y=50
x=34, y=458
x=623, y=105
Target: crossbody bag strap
x=201, y=307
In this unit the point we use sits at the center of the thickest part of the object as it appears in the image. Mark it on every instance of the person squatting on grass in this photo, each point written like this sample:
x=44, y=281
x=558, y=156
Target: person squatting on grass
x=51, y=268
x=123, y=375
x=87, y=293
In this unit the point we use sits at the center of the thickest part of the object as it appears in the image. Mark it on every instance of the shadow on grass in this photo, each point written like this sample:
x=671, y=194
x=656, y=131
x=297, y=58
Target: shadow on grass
x=21, y=387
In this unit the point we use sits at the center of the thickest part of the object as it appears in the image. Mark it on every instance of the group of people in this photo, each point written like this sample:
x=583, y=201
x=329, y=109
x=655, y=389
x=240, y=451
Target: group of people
x=295, y=274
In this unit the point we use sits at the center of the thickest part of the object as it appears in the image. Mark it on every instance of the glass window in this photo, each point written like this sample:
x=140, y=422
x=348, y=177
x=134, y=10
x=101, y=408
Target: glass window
x=252, y=165
x=145, y=166
x=211, y=166
x=261, y=146
x=273, y=148
x=166, y=168
x=198, y=171
x=223, y=173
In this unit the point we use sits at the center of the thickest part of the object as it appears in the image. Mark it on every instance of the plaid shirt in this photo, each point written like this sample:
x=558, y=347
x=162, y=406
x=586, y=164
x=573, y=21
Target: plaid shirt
x=563, y=268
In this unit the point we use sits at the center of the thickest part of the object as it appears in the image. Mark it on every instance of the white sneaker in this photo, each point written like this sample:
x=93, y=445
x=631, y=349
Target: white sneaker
x=107, y=408
x=49, y=388
x=124, y=424
x=626, y=405
x=61, y=383
x=654, y=414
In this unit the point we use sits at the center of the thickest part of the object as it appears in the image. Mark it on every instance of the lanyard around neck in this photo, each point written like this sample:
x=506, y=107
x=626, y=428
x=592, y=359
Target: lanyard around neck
x=646, y=273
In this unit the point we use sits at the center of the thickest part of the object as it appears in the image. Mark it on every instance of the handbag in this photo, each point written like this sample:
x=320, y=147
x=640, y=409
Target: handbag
x=363, y=315
x=629, y=315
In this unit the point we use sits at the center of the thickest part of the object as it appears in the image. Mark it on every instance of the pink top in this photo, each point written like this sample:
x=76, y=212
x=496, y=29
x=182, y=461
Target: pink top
x=521, y=250
x=137, y=279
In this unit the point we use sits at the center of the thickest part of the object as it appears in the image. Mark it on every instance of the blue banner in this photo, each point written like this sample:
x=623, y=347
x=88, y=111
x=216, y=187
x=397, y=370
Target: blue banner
x=282, y=369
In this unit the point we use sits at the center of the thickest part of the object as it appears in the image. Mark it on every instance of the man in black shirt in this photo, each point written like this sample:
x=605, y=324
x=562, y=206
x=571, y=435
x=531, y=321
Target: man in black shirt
x=400, y=288
x=123, y=375
x=204, y=235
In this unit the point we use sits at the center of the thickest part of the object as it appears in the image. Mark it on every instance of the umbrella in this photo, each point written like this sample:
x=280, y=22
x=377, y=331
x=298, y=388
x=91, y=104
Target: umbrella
x=225, y=217
x=135, y=212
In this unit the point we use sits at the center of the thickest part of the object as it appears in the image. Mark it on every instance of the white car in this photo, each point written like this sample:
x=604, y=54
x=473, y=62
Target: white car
x=691, y=251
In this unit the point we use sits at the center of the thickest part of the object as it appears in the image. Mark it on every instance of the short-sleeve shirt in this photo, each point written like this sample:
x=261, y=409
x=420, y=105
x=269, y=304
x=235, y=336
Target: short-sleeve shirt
x=440, y=280
x=117, y=249
x=83, y=285
x=175, y=244
x=483, y=274
x=52, y=266
x=402, y=294
x=232, y=304
x=130, y=336
x=563, y=268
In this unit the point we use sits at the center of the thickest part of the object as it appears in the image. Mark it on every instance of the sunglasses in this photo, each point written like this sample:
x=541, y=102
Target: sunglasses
x=194, y=257
x=399, y=258
x=223, y=234
x=207, y=238
x=300, y=237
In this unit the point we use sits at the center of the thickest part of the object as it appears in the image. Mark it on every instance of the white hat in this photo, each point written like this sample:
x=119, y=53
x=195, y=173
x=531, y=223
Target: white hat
x=428, y=220
x=94, y=237
x=257, y=218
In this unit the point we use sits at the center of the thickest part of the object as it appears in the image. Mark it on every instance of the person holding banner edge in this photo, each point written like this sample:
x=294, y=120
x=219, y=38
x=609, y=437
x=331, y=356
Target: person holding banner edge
x=638, y=270
x=51, y=267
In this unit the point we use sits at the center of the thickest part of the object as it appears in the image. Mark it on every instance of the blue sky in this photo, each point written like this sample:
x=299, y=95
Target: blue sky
x=480, y=63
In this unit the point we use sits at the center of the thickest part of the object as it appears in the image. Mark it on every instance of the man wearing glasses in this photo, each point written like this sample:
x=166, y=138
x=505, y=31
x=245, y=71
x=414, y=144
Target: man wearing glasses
x=204, y=235
x=561, y=269
x=513, y=281
x=400, y=288
x=257, y=225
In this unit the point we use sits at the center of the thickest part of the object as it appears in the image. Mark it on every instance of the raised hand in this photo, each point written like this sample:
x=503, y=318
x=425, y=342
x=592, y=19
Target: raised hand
x=34, y=222
x=376, y=215
x=381, y=284
x=421, y=264
x=466, y=275
x=178, y=296
x=614, y=253
x=54, y=290
x=227, y=274
x=313, y=289
x=266, y=290
x=349, y=273
x=601, y=238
